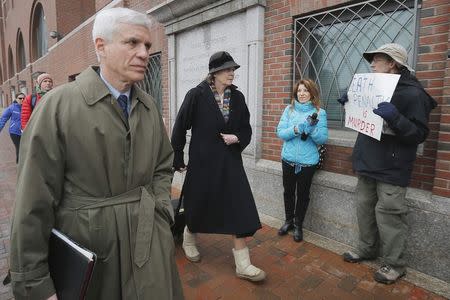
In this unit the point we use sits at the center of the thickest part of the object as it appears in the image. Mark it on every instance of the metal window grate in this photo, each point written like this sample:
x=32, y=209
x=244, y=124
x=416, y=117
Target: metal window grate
x=152, y=80
x=329, y=45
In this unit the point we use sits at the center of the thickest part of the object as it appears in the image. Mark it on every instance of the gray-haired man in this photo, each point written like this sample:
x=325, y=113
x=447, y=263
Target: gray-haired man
x=384, y=167
x=96, y=164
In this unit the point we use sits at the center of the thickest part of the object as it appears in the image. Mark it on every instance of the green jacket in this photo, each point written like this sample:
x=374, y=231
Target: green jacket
x=104, y=182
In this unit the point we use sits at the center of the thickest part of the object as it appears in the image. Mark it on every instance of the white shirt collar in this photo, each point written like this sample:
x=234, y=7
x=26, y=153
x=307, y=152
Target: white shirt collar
x=114, y=91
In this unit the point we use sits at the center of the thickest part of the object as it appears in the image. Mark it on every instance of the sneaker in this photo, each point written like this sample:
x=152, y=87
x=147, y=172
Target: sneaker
x=353, y=257
x=387, y=275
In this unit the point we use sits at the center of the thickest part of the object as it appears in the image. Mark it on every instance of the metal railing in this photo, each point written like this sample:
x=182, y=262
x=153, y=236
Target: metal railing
x=152, y=80
x=329, y=45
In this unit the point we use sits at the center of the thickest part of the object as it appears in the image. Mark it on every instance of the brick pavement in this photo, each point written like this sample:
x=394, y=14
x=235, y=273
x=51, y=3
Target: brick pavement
x=295, y=270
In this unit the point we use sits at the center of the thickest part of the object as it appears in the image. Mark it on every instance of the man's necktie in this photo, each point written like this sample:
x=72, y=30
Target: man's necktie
x=123, y=102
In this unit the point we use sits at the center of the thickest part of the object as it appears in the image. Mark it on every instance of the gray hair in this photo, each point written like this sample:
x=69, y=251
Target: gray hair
x=107, y=21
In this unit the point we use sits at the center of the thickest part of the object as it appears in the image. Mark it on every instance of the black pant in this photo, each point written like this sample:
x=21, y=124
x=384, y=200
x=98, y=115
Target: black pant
x=302, y=182
x=16, y=140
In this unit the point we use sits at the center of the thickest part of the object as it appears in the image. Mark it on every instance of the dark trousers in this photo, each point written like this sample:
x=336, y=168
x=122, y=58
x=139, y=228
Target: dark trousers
x=301, y=183
x=16, y=140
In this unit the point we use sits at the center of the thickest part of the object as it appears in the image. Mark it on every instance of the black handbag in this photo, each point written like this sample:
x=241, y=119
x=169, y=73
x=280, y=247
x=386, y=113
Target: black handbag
x=180, y=221
x=322, y=153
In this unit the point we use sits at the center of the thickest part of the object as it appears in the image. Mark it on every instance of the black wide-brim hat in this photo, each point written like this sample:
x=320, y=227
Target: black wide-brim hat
x=220, y=61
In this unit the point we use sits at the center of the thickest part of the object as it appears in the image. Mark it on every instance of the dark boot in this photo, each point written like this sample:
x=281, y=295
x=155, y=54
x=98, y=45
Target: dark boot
x=298, y=232
x=288, y=225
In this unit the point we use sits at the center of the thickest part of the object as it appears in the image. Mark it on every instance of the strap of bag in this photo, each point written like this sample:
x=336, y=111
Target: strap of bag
x=33, y=100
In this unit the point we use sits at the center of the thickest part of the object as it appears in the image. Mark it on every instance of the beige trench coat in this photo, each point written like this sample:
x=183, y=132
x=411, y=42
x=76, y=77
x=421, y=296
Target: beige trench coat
x=105, y=182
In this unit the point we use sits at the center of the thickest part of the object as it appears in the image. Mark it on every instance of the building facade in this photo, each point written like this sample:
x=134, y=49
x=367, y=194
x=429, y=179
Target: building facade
x=276, y=43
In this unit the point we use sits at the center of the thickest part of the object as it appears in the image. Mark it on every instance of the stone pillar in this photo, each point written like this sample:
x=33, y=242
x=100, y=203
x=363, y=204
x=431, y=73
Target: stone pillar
x=255, y=46
x=172, y=80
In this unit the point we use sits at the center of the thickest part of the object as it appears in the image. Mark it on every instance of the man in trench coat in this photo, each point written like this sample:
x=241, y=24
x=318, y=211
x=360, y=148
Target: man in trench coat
x=101, y=173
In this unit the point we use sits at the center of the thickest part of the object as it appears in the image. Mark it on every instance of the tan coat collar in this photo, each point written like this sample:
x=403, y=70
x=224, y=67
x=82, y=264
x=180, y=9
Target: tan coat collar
x=94, y=89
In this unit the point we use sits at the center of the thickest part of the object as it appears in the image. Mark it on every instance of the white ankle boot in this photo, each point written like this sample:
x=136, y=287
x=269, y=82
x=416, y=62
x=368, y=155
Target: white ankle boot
x=189, y=247
x=244, y=268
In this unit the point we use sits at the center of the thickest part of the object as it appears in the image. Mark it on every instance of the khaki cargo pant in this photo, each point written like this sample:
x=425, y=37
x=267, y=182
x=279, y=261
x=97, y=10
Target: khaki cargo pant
x=381, y=212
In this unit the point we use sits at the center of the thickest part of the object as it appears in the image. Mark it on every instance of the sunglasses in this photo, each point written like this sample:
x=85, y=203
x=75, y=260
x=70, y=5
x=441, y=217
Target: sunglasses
x=20, y=98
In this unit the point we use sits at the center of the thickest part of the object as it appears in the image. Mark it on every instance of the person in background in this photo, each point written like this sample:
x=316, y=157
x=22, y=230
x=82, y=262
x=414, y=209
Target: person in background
x=384, y=167
x=13, y=112
x=217, y=195
x=44, y=83
x=99, y=168
x=302, y=127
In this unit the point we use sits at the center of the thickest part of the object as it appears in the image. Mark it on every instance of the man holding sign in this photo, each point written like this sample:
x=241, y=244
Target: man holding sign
x=384, y=164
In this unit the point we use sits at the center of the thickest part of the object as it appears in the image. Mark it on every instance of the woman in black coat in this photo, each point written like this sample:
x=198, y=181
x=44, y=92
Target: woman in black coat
x=217, y=195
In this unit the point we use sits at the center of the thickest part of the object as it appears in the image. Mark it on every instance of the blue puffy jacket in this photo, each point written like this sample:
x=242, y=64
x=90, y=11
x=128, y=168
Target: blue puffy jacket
x=12, y=112
x=294, y=149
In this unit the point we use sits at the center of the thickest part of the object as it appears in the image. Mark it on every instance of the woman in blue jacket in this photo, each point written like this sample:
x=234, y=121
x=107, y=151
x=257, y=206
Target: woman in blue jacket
x=13, y=112
x=302, y=127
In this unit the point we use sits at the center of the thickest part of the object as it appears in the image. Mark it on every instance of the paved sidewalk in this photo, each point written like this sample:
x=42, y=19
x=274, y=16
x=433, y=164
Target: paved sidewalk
x=295, y=270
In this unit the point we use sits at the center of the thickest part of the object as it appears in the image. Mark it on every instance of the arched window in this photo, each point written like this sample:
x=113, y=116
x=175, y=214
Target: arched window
x=11, y=70
x=39, y=32
x=20, y=55
x=1, y=75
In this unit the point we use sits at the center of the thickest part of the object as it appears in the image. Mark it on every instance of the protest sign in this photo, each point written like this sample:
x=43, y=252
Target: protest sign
x=364, y=94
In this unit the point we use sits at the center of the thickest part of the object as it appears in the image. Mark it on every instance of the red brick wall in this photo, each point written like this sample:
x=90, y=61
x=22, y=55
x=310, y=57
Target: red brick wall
x=71, y=13
x=432, y=67
x=434, y=73
x=277, y=84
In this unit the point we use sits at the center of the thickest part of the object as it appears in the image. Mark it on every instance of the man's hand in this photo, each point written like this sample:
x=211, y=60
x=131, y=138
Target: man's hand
x=387, y=111
x=343, y=99
x=229, y=138
x=53, y=297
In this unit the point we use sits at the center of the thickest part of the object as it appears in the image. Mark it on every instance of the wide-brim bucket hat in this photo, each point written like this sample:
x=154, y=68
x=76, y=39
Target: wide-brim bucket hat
x=395, y=51
x=220, y=61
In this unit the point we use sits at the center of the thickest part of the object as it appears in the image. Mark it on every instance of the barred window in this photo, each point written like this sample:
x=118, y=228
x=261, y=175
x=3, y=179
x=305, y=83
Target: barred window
x=329, y=45
x=152, y=80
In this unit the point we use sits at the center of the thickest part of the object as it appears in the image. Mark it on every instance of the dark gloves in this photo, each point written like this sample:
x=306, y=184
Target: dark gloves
x=387, y=111
x=309, y=127
x=178, y=160
x=343, y=99
x=312, y=119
